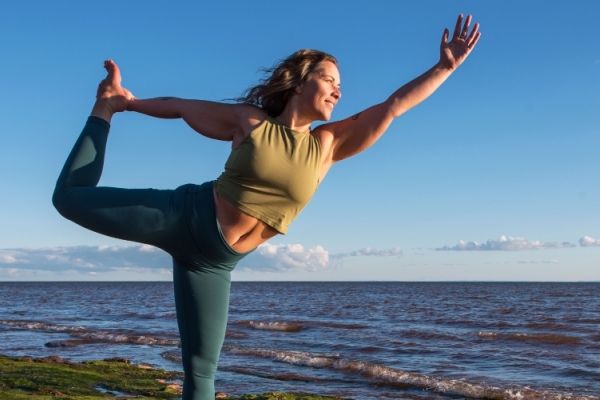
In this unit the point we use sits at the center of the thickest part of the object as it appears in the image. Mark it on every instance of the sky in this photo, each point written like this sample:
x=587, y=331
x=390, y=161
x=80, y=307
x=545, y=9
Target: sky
x=493, y=178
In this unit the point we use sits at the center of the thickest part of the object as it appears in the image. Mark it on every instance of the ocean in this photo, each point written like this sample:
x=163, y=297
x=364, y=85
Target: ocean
x=362, y=340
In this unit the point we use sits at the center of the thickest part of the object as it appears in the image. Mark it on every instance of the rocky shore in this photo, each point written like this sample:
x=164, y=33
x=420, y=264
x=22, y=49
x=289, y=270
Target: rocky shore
x=26, y=378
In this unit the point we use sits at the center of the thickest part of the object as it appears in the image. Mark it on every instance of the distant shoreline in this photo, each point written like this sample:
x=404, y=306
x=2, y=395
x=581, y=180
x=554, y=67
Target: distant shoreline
x=234, y=281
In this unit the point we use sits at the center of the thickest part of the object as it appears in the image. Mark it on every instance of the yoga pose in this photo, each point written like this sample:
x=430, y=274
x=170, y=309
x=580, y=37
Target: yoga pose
x=275, y=166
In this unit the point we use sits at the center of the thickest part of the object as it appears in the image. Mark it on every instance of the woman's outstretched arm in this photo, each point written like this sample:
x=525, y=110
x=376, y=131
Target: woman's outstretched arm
x=219, y=121
x=357, y=133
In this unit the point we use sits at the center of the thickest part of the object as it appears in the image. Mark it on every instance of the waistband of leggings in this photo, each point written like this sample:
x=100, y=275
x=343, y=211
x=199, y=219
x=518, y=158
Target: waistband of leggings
x=197, y=189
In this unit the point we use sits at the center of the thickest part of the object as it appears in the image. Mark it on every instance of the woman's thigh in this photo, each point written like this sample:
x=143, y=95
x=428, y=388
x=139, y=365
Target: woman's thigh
x=149, y=216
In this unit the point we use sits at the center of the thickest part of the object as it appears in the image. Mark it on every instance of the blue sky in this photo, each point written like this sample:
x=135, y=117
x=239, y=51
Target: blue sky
x=503, y=155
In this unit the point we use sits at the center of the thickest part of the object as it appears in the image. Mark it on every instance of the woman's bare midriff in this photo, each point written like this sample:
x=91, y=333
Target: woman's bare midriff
x=241, y=231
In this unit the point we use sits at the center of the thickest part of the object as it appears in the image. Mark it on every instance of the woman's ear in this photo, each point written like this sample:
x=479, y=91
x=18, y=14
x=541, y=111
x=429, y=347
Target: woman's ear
x=298, y=89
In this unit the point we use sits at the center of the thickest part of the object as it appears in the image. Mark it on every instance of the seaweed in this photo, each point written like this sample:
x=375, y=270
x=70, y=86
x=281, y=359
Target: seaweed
x=26, y=378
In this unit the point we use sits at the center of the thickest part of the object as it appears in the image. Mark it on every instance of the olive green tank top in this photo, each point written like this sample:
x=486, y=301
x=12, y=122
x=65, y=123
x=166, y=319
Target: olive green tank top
x=272, y=174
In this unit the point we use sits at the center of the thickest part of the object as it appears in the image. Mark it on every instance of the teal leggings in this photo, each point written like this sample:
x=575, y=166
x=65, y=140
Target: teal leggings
x=183, y=223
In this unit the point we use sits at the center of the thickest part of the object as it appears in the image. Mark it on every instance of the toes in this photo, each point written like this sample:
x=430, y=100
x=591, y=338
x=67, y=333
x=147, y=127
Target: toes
x=114, y=74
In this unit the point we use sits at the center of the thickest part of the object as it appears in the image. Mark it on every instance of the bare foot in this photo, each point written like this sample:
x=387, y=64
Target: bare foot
x=111, y=97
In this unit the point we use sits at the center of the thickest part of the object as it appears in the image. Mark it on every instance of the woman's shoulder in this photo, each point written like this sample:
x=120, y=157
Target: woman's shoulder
x=250, y=117
x=250, y=111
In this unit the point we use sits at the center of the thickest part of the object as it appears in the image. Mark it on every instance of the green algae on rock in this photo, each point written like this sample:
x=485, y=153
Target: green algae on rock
x=25, y=378
x=51, y=377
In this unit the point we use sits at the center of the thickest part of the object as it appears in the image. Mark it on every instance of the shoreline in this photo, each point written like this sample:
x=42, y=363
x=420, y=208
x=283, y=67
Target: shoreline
x=51, y=377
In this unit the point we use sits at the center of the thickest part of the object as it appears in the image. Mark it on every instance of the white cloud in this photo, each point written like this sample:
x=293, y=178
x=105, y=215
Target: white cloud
x=587, y=241
x=10, y=257
x=138, y=259
x=85, y=258
x=288, y=257
x=507, y=244
x=148, y=248
x=367, y=251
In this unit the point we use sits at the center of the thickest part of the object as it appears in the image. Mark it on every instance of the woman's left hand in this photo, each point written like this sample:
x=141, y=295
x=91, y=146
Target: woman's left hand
x=454, y=52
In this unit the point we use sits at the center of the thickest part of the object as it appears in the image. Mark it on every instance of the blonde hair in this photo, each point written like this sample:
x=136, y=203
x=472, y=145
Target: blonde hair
x=274, y=91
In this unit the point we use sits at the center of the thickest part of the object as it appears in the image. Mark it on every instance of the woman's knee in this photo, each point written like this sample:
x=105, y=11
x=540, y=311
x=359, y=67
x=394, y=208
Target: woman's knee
x=65, y=202
x=204, y=367
x=60, y=200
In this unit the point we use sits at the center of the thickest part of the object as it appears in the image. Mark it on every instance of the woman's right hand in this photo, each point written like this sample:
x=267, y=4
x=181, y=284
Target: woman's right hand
x=111, y=97
x=455, y=51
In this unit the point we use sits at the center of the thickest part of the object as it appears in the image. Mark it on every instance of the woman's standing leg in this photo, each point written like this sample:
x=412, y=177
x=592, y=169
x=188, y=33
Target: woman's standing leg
x=202, y=303
x=202, y=283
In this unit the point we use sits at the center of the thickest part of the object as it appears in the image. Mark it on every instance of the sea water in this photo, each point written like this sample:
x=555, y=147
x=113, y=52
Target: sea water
x=362, y=340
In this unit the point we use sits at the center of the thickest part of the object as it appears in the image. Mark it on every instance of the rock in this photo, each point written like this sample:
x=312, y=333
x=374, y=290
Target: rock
x=51, y=392
x=175, y=387
x=142, y=366
x=67, y=343
x=118, y=359
x=50, y=360
x=220, y=395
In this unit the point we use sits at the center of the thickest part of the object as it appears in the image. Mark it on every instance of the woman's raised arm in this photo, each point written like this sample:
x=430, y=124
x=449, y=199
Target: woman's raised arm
x=357, y=133
x=214, y=120
x=219, y=121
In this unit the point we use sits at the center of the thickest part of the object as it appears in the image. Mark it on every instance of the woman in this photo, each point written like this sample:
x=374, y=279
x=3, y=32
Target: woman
x=275, y=166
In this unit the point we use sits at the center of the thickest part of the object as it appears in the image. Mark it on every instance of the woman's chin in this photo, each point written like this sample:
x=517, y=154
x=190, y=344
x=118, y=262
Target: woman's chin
x=325, y=116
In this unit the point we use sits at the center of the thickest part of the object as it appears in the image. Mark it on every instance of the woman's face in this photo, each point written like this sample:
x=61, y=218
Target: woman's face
x=321, y=92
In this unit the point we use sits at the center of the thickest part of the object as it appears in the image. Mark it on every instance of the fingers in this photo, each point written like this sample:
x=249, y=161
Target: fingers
x=465, y=28
x=457, y=27
x=474, y=33
x=462, y=31
x=445, y=36
x=474, y=42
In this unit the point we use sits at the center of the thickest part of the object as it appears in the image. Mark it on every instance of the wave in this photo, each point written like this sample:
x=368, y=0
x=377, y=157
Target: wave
x=392, y=376
x=233, y=334
x=341, y=325
x=547, y=338
x=150, y=316
x=427, y=335
x=272, y=326
x=172, y=355
x=70, y=343
x=288, y=376
x=298, y=325
x=557, y=326
x=106, y=336
x=89, y=336
x=41, y=326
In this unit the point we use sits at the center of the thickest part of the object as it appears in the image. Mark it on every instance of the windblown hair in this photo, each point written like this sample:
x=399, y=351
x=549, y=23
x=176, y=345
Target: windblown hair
x=273, y=92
